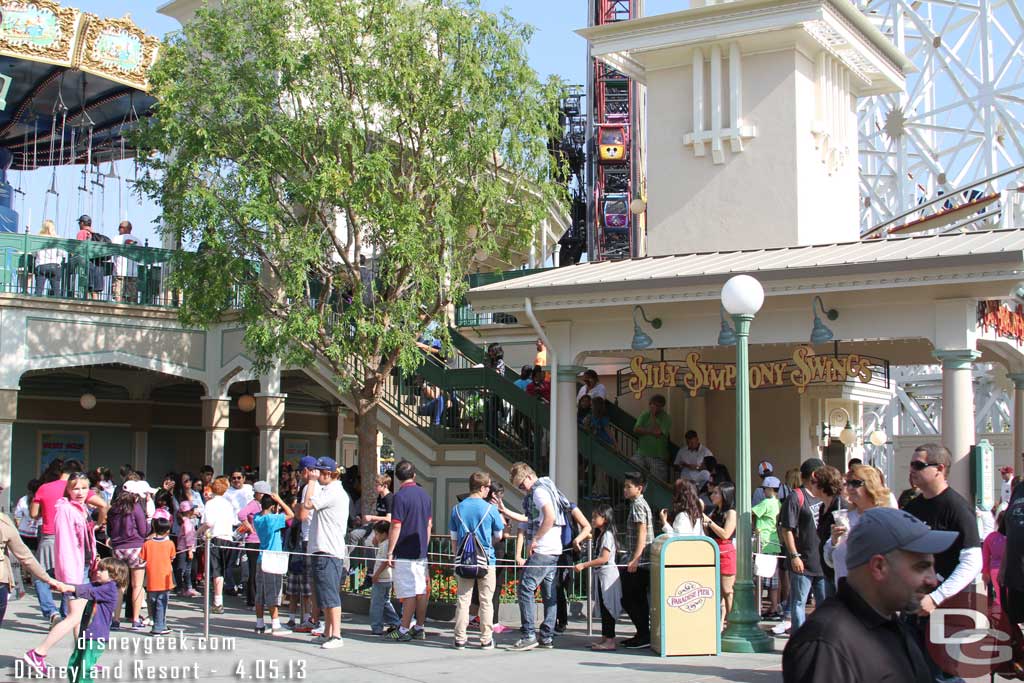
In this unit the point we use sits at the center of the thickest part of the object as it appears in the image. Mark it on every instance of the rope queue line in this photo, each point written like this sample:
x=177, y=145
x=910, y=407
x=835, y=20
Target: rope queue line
x=499, y=564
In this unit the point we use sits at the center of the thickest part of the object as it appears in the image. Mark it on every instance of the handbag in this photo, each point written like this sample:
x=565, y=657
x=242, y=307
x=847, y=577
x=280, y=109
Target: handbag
x=274, y=562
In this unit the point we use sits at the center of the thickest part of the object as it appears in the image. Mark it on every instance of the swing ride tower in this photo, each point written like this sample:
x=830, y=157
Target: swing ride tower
x=71, y=86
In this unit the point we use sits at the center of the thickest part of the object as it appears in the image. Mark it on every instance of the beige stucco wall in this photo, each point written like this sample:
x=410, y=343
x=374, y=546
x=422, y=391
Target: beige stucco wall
x=775, y=193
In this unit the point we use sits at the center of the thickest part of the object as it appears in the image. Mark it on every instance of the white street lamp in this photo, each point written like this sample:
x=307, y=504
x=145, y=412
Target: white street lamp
x=742, y=297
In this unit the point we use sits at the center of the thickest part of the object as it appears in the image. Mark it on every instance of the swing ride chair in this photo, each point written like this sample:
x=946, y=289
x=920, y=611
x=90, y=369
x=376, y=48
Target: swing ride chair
x=72, y=86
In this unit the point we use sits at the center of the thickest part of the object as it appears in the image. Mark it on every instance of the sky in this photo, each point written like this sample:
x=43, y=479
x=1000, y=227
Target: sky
x=555, y=49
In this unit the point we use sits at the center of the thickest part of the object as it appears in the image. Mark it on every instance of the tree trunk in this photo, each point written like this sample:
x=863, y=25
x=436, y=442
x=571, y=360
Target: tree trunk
x=366, y=431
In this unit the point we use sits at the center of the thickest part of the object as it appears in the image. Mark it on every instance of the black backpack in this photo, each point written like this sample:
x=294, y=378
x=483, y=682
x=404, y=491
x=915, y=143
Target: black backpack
x=471, y=558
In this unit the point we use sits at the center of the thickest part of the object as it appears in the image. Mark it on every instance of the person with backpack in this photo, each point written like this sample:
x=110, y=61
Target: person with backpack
x=545, y=510
x=576, y=530
x=475, y=525
x=95, y=266
x=799, y=533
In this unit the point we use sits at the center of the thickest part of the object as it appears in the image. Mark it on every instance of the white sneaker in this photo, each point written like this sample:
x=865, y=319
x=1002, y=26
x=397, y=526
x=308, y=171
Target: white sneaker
x=319, y=629
x=781, y=627
x=332, y=644
x=275, y=630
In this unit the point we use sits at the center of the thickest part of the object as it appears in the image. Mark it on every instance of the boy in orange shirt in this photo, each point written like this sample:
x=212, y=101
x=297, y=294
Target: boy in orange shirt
x=158, y=554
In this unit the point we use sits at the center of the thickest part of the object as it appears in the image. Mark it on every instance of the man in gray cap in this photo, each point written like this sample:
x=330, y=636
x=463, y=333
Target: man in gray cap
x=857, y=635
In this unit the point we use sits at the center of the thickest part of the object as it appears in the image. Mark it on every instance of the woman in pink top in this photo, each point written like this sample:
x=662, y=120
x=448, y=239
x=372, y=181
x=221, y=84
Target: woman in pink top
x=992, y=551
x=74, y=548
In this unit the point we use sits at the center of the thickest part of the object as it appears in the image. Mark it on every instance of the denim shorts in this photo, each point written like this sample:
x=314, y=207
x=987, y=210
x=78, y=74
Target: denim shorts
x=327, y=574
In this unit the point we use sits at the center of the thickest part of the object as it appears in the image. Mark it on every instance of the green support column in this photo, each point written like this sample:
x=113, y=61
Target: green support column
x=743, y=633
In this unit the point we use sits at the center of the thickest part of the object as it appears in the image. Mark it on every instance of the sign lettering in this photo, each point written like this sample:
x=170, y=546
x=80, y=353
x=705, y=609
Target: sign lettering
x=804, y=368
x=690, y=596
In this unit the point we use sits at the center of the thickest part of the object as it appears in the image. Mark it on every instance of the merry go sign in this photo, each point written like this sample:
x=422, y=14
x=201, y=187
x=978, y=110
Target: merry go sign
x=803, y=368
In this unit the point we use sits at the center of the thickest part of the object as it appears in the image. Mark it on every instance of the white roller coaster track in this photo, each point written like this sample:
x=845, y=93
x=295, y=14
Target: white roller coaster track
x=960, y=119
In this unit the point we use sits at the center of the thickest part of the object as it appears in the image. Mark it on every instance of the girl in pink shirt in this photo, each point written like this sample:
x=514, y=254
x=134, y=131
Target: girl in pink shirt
x=992, y=551
x=74, y=549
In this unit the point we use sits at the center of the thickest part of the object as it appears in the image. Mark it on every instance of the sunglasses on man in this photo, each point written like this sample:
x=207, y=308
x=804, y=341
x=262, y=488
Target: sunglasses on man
x=921, y=466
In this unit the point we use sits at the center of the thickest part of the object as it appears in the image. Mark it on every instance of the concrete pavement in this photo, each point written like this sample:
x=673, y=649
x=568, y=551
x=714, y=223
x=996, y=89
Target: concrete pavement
x=236, y=653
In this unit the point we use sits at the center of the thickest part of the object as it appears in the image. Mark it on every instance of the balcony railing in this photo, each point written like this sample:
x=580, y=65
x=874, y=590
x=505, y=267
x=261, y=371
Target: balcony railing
x=32, y=265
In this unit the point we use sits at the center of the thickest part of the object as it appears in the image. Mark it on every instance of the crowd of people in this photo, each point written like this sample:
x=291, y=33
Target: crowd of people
x=54, y=267
x=109, y=556
x=123, y=551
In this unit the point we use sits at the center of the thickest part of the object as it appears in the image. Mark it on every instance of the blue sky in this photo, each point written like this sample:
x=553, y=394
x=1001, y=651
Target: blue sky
x=555, y=49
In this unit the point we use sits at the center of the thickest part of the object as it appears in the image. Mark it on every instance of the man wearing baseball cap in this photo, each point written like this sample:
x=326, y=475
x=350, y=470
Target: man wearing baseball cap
x=246, y=515
x=329, y=505
x=857, y=636
x=766, y=469
x=301, y=584
x=1007, y=486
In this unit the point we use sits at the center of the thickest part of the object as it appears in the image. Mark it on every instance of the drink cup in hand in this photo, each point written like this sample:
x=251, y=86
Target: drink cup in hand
x=842, y=518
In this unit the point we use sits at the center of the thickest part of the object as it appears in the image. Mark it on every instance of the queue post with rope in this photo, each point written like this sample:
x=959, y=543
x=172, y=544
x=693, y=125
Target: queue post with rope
x=590, y=589
x=207, y=580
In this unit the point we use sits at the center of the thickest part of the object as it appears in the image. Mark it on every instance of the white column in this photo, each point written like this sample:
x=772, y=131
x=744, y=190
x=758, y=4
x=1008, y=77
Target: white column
x=958, y=414
x=140, y=444
x=1018, y=419
x=270, y=420
x=567, y=463
x=140, y=436
x=8, y=414
x=336, y=432
x=215, y=423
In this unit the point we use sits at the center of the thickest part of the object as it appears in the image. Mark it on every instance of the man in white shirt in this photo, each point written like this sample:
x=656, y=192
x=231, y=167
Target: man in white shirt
x=126, y=271
x=240, y=493
x=544, y=535
x=329, y=505
x=690, y=456
x=219, y=518
x=592, y=387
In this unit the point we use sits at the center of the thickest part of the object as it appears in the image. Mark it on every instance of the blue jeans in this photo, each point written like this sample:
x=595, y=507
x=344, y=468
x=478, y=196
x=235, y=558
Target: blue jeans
x=539, y=570
x=158, y=609
x=800, y=587
x=382, y=612
x=46, y=604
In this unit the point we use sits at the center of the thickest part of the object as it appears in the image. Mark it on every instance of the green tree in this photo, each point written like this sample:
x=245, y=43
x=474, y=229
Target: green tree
x=307, y=136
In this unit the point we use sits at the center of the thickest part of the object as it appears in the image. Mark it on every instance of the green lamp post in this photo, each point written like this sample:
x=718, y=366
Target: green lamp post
x=742, y=297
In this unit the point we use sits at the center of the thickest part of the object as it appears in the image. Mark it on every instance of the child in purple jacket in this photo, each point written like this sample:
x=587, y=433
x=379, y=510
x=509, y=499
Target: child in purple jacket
x=111, y=577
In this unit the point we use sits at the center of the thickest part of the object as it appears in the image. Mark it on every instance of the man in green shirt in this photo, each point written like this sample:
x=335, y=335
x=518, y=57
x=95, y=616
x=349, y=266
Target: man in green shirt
x=651, y=429
x=766, y=515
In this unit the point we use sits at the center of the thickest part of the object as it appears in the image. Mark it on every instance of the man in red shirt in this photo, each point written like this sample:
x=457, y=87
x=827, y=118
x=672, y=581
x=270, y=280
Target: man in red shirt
x=44, y=505
x=95, y=270
x=539, y=387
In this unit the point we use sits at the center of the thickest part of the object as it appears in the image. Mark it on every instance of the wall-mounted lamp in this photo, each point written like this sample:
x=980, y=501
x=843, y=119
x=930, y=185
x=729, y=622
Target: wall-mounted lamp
x=847, y=436
x=821, y=333
x=642, y=340
x=727, y=335
x=878, y=438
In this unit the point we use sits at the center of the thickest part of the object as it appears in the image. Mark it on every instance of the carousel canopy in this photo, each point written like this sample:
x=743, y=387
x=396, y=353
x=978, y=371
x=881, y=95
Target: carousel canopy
x=71, y=83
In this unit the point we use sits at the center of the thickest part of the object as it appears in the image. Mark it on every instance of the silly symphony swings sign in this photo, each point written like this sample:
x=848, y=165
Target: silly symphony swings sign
x=805, y=367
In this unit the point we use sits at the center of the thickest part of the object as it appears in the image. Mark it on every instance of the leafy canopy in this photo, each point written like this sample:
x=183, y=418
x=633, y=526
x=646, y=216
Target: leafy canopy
x=362, y=153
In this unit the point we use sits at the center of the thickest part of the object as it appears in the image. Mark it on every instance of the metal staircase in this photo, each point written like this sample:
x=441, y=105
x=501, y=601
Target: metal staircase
x=482, y=407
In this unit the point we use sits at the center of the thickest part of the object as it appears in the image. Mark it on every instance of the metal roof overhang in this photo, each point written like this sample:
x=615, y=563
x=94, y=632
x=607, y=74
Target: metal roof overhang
x=626, y=282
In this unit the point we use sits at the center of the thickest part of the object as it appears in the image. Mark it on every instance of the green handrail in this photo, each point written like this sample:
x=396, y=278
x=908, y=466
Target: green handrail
x=537, y=412
x=74, y=269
